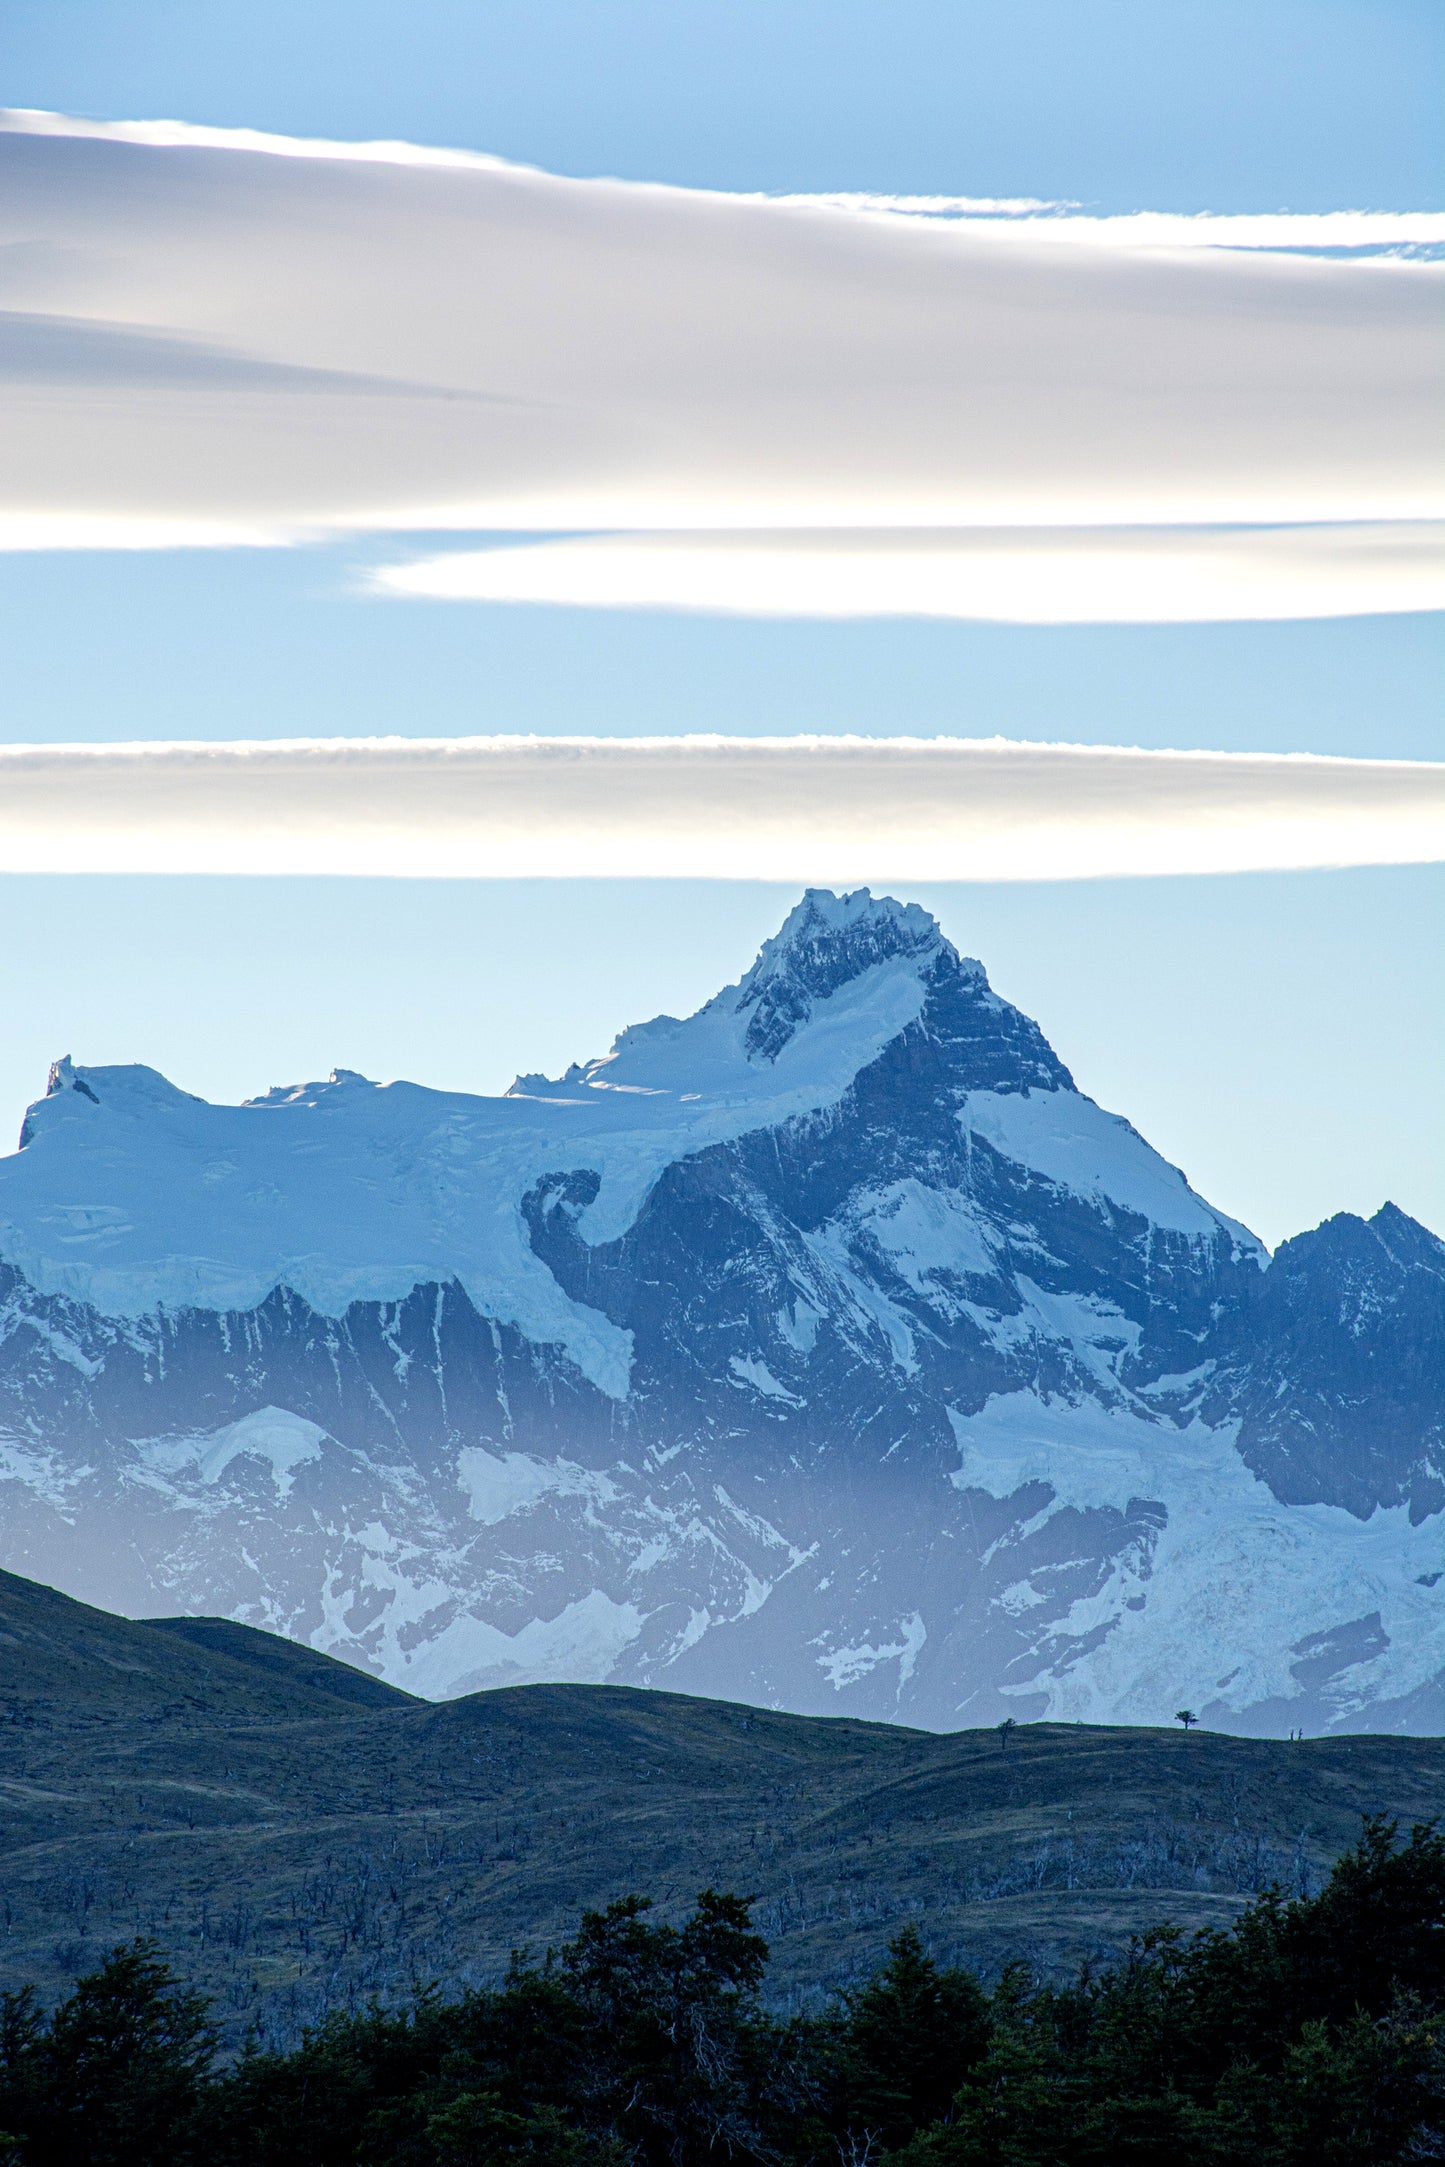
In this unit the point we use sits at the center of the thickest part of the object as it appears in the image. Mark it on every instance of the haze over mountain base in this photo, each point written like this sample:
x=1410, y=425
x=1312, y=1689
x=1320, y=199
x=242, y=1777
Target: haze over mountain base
x=827, y=1350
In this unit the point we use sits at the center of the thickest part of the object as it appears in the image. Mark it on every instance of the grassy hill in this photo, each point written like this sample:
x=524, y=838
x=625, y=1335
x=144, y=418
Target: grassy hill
x=286, y=1660
x=65, y=1666
x=298, y=1835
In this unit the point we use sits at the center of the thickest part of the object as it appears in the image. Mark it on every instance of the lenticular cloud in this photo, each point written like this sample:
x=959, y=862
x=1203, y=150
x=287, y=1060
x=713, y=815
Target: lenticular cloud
x=1014, y=575
x=822, y=809
x=212, y=337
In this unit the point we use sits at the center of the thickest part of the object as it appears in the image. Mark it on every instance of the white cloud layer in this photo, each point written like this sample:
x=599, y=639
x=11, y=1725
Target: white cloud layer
x=212, y=336
x=786, y=809
x=1018, y=575
x=1064, y=225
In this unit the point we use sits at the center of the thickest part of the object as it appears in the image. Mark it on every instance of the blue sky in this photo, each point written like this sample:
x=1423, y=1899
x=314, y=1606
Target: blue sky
x=1280, y=1035
x=1172, y=104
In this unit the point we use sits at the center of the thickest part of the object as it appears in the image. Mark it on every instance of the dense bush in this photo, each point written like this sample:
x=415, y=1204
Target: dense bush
x=1311, y=2035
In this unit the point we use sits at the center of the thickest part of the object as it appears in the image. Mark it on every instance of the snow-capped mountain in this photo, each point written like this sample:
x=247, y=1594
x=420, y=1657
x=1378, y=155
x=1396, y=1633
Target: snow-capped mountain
x=826, y=1349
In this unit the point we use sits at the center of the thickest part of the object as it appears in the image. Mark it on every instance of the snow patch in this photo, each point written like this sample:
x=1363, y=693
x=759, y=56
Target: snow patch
x=281, y=1440
x=499, y=1484
x=1095, y=1331
x=831, y=1246
x=1231, y=1569
x=39, y=1469
x=61, y=1345
x=580, y=1646
x=799, y=1324
x=845, y=1666
x=924, y=1231
x=752, y=1370
x=1070, y=1140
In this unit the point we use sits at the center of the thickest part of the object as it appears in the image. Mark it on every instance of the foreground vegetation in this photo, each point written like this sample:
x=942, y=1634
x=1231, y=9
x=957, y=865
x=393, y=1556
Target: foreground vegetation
x=1310, y=2035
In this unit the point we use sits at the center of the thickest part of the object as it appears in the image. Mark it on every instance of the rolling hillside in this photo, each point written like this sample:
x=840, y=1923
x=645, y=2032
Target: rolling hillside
x=292, y=1847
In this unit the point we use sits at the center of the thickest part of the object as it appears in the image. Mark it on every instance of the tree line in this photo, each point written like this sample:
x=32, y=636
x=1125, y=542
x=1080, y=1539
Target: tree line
x=1311, y=2034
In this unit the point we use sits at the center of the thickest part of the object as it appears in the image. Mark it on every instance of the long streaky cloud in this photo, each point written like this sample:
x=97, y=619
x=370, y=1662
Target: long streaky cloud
x=1018, y=575
x=782, y=809
x=1063, y=225
x=212, y=336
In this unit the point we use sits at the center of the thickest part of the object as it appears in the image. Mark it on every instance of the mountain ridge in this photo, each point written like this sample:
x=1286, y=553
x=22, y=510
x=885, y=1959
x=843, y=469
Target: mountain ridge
x=827, y=1348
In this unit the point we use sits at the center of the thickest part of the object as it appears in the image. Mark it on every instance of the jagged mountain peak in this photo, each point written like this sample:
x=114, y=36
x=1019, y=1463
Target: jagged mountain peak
x=347, y=1190
x=307, y=1094
x=129, y=1089
x=828, y=938
x=1338, y=1378
x=1390, y=1246
x=825, y=941
x=62, y=1078
x=815, y=969
x=1411, y=1245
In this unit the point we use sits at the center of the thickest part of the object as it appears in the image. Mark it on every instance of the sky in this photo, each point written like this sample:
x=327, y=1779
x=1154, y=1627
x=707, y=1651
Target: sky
x=1281, y=1035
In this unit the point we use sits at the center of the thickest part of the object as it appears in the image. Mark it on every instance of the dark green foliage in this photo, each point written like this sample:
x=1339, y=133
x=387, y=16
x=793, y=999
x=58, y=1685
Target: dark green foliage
x=1311, y=2035
x=474, y=2129
x=909, y=2039
x=119, y=2074
x=636, y=2043
x=670, y=2017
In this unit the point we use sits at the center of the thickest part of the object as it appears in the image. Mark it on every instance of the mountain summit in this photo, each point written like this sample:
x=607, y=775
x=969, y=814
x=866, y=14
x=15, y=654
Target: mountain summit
x=827, y=1348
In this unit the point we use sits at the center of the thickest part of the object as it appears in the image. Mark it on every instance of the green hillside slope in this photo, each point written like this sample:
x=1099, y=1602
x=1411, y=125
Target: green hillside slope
x=292, y=1848
x=284, y=1660
x=64, y=1664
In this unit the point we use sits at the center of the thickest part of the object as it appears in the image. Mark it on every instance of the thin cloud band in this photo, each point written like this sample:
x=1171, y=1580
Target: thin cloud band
x=780, y=809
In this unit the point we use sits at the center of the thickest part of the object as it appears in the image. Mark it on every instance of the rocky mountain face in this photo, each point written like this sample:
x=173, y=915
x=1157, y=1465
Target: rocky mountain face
x=826, y=1350
x=1339, y=1373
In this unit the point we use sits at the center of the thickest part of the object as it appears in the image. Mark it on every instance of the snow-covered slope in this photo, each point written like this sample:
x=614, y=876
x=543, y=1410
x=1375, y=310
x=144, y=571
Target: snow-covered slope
x=826, y=1347
x=348, y=1191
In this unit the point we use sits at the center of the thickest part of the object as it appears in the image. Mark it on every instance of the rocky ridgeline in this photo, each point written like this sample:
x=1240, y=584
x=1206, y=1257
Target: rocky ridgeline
x=826, y=1350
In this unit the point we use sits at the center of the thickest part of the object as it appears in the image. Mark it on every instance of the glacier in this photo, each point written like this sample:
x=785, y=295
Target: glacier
x=826, y=1349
